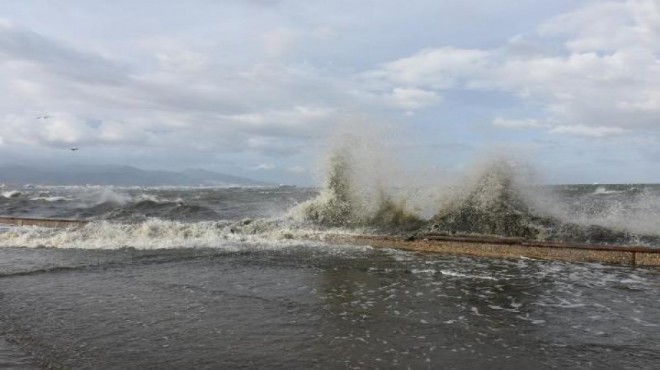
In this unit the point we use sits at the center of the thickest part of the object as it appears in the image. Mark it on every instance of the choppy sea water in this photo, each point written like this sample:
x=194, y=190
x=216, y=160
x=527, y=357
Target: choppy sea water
x=164, y=280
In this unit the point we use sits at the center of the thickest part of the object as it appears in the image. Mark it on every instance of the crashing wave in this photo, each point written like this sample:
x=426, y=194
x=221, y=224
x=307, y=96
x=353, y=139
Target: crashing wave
x=493, y=205
x=344, y=203
x=499, y=204
x=496, y=202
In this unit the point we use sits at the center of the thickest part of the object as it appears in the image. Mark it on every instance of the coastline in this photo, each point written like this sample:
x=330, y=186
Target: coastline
x=482, y=246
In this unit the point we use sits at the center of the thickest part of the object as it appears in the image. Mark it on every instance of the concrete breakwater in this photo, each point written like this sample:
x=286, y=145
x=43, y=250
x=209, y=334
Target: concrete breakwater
x=509, y=248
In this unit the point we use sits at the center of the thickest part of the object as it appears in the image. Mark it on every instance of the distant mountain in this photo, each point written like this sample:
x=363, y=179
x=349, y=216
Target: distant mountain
x=119, y=176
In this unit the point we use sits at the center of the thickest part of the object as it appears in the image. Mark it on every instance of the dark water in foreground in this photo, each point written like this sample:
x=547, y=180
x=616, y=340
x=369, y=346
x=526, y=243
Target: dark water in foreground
x=188, y=291
x=333, y=307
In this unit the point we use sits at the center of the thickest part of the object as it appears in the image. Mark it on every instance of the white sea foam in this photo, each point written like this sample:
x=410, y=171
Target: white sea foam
x=602, y=190
x=108, y=195
x=467, y=276
x=155, y=199
x=50, y=198
x=11, y=194
x=160, y=234
x=117, y=196
x=423, y=271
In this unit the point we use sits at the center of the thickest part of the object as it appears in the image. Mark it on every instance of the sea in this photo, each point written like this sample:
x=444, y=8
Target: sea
x=241, y=278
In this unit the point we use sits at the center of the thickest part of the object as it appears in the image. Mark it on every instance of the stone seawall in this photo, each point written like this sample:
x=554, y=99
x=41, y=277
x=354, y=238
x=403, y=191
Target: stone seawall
x=510, y=248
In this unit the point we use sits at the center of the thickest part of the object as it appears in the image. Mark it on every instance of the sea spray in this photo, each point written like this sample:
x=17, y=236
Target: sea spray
x=351, y=196
x=493, y=203
x=500, y=202
x=337, y=204
x=107, y=195
x=635, y=208
x=499, y=199
x=393, y=213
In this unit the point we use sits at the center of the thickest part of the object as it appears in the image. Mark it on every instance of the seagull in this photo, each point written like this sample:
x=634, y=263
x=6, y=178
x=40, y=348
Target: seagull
x=74, y=149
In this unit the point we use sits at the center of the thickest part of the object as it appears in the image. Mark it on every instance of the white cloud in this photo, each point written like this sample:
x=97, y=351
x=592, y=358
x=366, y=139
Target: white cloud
x=295, y=122
x=588, y=131
x=187, y=99
x=607, y=77
x=412, y=98
x=265, y=81
x=519, y=124
x=648, y=103
x=63, y=129
x=296, y=116
x=434, y=68
x=609, y=26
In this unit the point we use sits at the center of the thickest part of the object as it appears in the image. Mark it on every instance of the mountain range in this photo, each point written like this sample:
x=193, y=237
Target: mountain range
x=120, y=176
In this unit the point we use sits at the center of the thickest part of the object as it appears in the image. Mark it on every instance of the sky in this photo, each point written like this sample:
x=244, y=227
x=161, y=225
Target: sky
x=262, y=88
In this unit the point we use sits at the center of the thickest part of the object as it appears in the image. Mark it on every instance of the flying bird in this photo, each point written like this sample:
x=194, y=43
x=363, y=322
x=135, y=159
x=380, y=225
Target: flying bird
x=43, y=117
x=74, y=149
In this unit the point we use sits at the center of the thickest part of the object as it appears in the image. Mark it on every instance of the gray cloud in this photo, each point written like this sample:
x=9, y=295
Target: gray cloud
x=206, y=108
x=20, y=44
x=269, y=81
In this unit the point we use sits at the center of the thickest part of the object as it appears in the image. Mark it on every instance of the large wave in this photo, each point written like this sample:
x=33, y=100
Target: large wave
x=497, y=200
x=347, y=202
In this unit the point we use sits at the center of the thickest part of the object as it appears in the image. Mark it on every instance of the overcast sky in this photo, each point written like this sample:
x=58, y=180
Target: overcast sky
x=257, y=87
